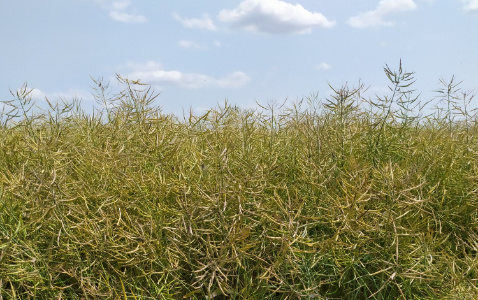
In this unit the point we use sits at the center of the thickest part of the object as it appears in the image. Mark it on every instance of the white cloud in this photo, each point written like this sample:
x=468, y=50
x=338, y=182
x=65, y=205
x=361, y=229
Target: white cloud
x=120, y=5
x=117, y=12
x=274, y=16
x=69, y=95
x=187, y=44
x=233, y=80
x=323, y=66
x=127, y=18
x=205, y=22
x=113, y=4
x=191, y=45
x=471, y=5
x=153, y=73
x=375, y=17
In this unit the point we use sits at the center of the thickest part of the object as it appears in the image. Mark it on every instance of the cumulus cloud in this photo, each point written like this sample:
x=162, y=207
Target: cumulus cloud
x=232, y=81
x=120, y=5
x=205, y=22
x=190, y=45
x=153, y=73
x=274, y=16
x=38, y=94
x=376, y=17
x=187, y=44
x=127, y=18
x=117, y=11
x=323, y=66
x=471, y=5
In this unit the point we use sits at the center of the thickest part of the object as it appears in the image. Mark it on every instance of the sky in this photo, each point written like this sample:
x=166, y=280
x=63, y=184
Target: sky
x=197, y=54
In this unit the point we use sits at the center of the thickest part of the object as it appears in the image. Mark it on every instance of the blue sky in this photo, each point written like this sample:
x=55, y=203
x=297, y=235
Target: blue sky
x=199, y=53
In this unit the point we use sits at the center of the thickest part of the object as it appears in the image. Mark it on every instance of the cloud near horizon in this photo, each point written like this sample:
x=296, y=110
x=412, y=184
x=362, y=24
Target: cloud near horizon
x=127, y=18
x=471, y=5
x=117, y=11
x=205, y=22
x=375, y=17
x=323, y=66
x=274, y=17
x=69, y=95
x=186, y=44
x=153, y=73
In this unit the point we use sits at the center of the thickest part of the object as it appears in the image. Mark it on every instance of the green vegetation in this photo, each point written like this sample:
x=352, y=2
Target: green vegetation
x=341, y=198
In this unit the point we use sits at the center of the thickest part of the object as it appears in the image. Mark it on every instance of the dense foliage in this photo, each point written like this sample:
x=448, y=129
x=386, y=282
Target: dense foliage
x=345, y=198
